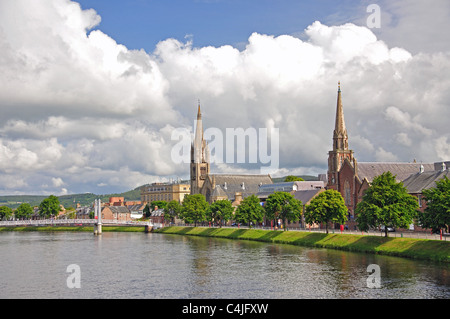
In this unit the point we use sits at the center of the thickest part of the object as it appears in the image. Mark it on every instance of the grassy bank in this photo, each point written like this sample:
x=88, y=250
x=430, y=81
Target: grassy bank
x=74, y=228
x=402, y=247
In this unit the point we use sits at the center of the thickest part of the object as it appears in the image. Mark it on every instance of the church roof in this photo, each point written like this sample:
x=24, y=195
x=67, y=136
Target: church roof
x=400, y=170
x=306, y=195
x=218, y=192
x=425, y=180
x=244, y=184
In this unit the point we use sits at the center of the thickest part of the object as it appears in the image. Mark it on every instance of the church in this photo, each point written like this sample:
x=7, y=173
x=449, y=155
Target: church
x=218, y=186
x=350, y=177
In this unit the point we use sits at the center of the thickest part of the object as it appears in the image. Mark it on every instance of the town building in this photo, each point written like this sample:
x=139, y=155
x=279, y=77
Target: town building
x=416, y=183
x=119, y=213
x=303, y=191
x=164, y=192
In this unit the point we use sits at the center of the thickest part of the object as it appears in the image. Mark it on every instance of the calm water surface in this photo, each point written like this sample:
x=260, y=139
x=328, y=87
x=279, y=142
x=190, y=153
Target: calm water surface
x=138, y=265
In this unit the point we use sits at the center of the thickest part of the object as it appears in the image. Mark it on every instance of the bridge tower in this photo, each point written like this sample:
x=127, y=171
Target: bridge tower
x=98, y=216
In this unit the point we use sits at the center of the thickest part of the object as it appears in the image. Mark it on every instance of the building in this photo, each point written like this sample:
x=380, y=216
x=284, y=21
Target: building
x=164, y=192
x=350, y=177
x=416, y=183
x=234, y=187
x=304, y=191
x=120, y=213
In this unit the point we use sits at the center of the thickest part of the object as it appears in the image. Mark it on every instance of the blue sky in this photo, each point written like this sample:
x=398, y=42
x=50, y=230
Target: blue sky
x=143, y=23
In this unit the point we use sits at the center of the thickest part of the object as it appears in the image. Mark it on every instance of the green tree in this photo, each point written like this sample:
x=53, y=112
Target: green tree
x=5, y=212
x=158, y=203
x=24, y=211
x=194, y=208
x=49, y=207
x=172, y=210
x=386, y=203
x=283, y=205
x=437, y=212
x=292, y=178
x=249, y=211
x=328, y=206
x=220, y=211
x=146, y=211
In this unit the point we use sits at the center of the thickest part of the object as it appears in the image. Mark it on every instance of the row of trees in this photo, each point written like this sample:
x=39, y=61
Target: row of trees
x=385, y=203
x=278, y=206
x=49, y=207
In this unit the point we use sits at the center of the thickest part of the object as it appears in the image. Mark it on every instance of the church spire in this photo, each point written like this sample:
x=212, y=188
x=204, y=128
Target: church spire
x=200, y=156
x=340, y=137
x=340, y=123
x=340, y=151
x=199, y=113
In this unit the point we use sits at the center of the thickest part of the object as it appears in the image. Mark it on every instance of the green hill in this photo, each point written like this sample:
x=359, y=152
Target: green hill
x=67, y=201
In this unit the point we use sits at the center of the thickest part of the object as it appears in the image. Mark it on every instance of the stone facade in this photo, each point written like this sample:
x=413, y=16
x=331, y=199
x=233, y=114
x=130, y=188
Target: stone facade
x=165, y=192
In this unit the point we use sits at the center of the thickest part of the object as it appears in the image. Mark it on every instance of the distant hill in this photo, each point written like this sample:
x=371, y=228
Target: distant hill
x=67, y=201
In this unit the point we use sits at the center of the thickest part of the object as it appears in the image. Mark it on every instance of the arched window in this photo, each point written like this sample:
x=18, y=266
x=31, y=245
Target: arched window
x=347, y=193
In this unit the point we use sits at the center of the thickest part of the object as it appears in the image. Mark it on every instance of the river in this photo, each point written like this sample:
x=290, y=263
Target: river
x=158, y=266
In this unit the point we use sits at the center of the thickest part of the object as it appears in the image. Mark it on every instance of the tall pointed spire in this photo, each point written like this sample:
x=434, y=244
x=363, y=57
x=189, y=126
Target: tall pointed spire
x=200, y=156
x=340, y=151
x=339, y=128
x=198, y=138
x=199, y=113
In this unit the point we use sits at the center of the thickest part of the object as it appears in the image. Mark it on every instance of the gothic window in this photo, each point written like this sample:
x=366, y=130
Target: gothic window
x=202, y=172
x=347, y=193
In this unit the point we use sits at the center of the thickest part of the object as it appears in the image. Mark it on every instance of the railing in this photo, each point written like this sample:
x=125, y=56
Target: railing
x=43, y=222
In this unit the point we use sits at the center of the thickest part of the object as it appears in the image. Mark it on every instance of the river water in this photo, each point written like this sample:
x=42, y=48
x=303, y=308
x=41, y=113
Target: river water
x=140, y=265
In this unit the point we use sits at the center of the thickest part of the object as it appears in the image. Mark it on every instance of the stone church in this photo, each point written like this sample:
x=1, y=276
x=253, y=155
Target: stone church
x=350, y=177
x=218, y=186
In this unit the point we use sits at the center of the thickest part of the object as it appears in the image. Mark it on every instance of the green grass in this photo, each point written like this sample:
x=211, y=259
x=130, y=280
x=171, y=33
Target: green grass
x=428, y=249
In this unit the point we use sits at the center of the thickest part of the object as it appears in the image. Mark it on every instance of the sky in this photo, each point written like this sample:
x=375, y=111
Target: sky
x=92, y=93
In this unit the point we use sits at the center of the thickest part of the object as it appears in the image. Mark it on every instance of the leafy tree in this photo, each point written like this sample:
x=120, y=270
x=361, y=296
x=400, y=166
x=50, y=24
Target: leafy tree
x=220, y=211
x=158, y=203
x=328, y=206
x=5, y=212
x=194, y=208
x=437, y=212
x=24, y=211
x=146, y=211
x=292, y=178
x=49, y=207
x=387, y=203
x=283, y=205
x=249, y=211
x=172, y=209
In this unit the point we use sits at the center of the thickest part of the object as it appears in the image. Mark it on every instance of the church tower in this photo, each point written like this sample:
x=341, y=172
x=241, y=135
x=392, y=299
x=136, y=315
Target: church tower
x=340, y=150
x=199, y=157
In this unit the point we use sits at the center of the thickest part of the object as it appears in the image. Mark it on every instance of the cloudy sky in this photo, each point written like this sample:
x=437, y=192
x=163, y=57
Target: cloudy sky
x=91, y=92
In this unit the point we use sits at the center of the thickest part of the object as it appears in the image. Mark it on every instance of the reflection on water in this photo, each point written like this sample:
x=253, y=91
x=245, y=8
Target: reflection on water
x=138, y=265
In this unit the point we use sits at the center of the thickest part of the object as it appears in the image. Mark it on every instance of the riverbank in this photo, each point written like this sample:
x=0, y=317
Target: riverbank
x=74, y=228
x=426, y=249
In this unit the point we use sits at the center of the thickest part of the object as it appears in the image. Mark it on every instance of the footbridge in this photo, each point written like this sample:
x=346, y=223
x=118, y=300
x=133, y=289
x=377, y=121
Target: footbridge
x=79, y=222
